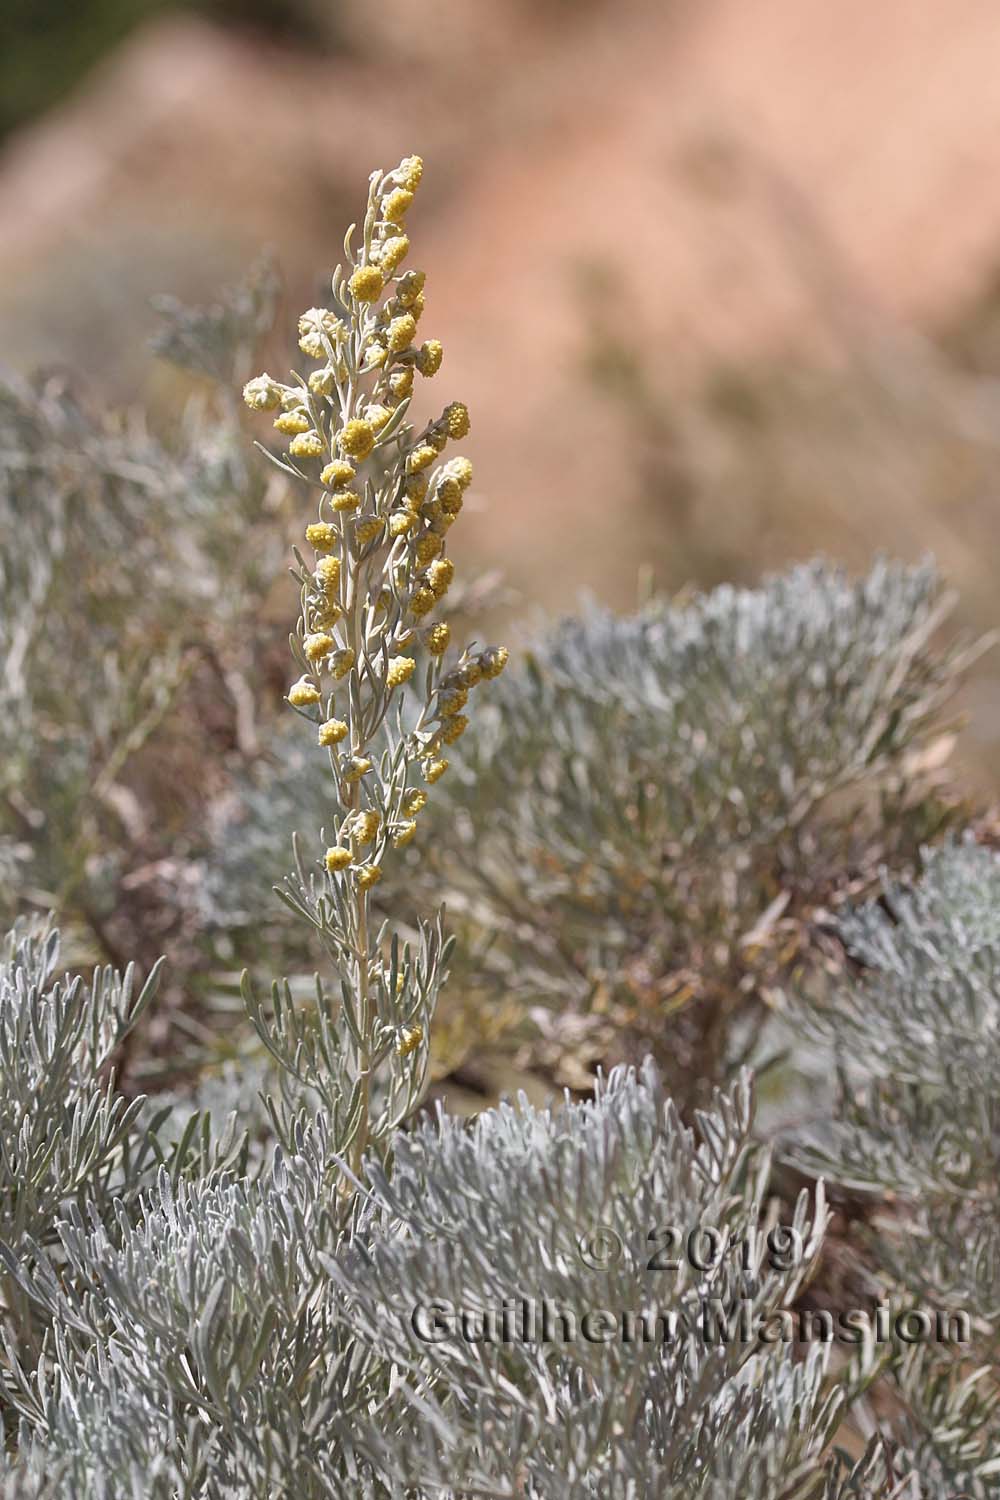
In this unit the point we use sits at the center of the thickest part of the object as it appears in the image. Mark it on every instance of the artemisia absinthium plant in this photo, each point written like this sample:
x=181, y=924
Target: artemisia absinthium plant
x=385, y=501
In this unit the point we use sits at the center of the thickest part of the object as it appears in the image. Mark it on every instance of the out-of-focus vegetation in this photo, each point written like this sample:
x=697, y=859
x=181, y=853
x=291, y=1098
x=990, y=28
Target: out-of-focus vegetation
x=47, y=46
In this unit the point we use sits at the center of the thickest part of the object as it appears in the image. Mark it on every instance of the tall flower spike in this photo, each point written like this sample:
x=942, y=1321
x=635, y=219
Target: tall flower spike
x=386, y=498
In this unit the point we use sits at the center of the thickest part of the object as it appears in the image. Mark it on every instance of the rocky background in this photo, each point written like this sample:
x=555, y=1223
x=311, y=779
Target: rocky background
x=718, y=280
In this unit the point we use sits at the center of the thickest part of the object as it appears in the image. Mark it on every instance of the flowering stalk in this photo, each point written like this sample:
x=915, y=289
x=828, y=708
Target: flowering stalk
x=385, y=503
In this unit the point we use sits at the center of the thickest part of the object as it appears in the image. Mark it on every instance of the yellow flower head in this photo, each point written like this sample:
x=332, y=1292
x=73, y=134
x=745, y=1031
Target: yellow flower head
x=344, y=500
x=262, y=393
x=409, y=172
x=420, y=457
x=303, y=693
x=434, y=770
x=455, y=727
x=452, y=701
x=312, y=327
x=415, y=488
x=366, y=284
x=317, y=646
x=356, y=767
x=292, y=422
x=456, y=418
x=459, y=469
x=393, y=253
x=321, y=536
x=401, y=383
x=376, y=354
x=365, y=826
x=328, y=573
x=422, y=603
x=401, y=331
x=377, y=415
x=338, y=858
x=404, y=834
x=337, y=472
x=332, y=732
x=356, y=438
x=369, y=875
x=493, y=660
x=440, y=575
x=429, y=357
x=437, y=641
x=395, y=204
x=415, y=801
x=401, y=522
x=306, y=445
x=428, y=548
x=468, y=674
x=321, y=382
x=401, y=669
x=341, y=662
x=366, y=531
x=409, y=1040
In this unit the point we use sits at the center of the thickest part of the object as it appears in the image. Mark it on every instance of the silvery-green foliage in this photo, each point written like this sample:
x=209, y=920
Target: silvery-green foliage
x=473, y=1219
x=913, y=1031
x=163, y=550
x=647, y=804
x=663, y=770
x=65, y=1135
x=222, y=1335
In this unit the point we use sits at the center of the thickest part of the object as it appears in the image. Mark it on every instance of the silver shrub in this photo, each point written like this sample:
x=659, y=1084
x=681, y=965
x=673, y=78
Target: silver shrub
x=649, y=805
x=915, y=1035
x=232, y=1336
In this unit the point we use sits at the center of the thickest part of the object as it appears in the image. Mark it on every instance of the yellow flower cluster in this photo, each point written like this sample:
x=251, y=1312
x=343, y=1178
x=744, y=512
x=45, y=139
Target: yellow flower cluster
x=386, y=499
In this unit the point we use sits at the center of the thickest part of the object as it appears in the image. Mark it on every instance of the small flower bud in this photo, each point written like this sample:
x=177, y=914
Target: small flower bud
x=262, y=393
x=401, y=669
x=493, y=660
x=455, y=727
x=369, y=875
x=440, y=575
x=341, y=662
x=365, y=826
x=321, y=536
x=401, y=331
x=366, y=531
x=337, y=472
x=322, y=382
x=312, y=327
x=292, y=422
x=338, y=858
x=456, y=418
x=306, y=445
x=404, y=834
x=356, y=438
x=328, y=574
x=395, y=204
x=345, y=500
x=332, y=732
x=429, y=357
x=409, y=1040
x=317, y=646
x=366, y=284
x=422, y=603
x=437, y=641
x=401, y=383
x=434, y=770
x=303, y=693
x=420, y=457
